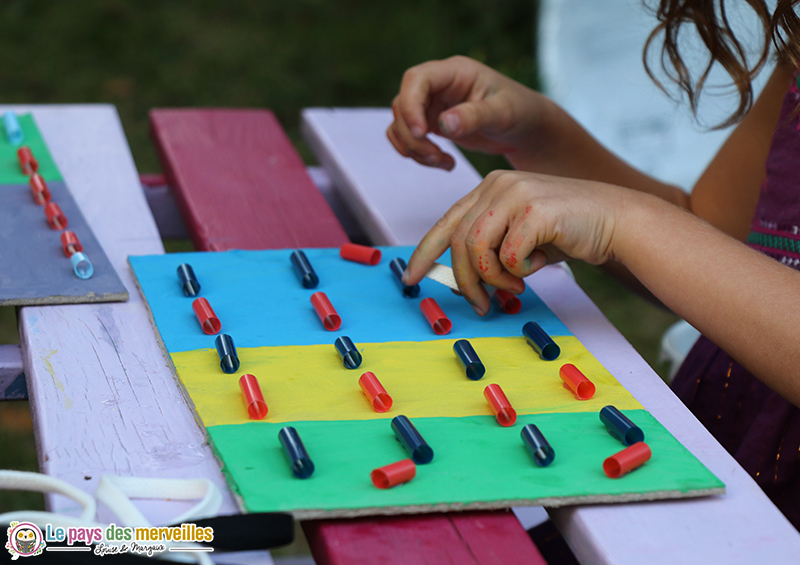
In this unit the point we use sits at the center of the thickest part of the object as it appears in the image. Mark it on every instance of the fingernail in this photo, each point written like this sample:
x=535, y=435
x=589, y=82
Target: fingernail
x=405, y=277
x=446, y=164
x=417, y=132
x=432, y=160
x=449, y=124
x=478, y=310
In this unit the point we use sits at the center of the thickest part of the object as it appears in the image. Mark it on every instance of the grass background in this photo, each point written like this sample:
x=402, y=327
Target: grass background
x=140, y=54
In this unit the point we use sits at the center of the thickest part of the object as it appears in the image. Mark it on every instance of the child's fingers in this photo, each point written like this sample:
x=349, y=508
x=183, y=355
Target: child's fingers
x=395, y=140
x=468, y=279
x=526, y=248
x=468, y=118
x=437, y=240
x=423, y=150
x=419, y=84
x=483, y=238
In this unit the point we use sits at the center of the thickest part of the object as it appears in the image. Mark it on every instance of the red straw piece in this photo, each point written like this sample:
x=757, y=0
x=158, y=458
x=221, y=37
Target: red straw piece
x=440, y=323
x=574, y=380
x=253, y=399
x=394, y=474
x=41, y=194
x=360, y=253
x=325, y=311
x=627, y=460
x=27, y=162
x=501, y=407
x=375, y=393
x=70, y=243
x=55, y=217
x=206, y=316
x=509, y=302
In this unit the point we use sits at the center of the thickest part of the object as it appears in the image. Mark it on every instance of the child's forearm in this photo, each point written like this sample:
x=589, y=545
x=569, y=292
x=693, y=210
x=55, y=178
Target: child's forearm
x=739, y=298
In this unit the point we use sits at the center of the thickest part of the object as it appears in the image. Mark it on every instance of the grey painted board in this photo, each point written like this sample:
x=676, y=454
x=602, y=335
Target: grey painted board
x=33, y=267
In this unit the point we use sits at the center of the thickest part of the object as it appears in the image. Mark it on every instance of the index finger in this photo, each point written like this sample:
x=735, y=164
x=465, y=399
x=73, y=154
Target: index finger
x=437, y=240
x=415, y=91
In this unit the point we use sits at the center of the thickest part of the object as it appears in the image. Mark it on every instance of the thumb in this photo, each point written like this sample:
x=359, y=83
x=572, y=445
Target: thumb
x=465, y=118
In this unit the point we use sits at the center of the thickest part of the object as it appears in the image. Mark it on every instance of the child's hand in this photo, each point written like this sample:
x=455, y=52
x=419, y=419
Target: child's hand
x=468, y=102
x=512, y=224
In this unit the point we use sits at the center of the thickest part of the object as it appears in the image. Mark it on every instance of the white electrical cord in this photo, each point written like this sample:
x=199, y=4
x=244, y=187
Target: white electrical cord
x=116, y=493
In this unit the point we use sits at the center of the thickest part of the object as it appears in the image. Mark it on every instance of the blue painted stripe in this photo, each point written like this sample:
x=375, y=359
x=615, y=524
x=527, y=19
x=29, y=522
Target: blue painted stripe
x=259, y=301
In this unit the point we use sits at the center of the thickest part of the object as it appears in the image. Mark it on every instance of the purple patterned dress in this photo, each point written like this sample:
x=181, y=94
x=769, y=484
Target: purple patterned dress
x=756, y=425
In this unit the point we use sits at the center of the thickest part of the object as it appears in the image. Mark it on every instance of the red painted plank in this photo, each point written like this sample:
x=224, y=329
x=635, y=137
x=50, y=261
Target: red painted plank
x=423, y=539
x=496, y=538
x=241, y=185
x=239, y=182
x=469, y=538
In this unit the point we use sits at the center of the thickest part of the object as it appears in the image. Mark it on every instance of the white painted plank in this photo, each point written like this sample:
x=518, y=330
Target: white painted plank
x=102, y=393
x=397, y=212
x=742, y=526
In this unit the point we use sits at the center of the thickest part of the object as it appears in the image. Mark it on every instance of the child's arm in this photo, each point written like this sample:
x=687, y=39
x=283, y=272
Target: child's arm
x=739, y=298
x=727, y=192
x=483, y=110
x=498, y=115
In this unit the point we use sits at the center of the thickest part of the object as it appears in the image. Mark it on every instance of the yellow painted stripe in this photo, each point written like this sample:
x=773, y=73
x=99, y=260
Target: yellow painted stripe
x=424, y=379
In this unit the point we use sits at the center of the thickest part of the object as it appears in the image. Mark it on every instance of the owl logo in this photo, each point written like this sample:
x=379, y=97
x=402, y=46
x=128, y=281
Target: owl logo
x=24, y=539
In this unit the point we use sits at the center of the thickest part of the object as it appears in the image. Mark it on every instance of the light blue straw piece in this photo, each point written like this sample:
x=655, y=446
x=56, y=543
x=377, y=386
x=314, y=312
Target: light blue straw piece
x=81, y=265
x=13, y=130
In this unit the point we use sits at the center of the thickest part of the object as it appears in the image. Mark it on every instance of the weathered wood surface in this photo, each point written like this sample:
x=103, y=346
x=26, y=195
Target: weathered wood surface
x=239, y=182
x=742, y=526
x=103, y=396
x=469, y=538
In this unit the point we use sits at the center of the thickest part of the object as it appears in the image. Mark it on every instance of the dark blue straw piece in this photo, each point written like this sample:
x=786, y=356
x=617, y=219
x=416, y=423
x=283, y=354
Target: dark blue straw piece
x=398, y=267
x=620, y=426
x=537, y=445
x=540, y=341
x=351, y=358
x=303, y=269
x=228, y=360
x=189, y=282
x=412, y=441
x=299, y=461
x=472, y=363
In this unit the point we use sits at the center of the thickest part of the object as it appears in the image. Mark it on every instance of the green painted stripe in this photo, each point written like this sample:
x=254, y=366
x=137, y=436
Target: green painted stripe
x=475, y=460
x=10, y=173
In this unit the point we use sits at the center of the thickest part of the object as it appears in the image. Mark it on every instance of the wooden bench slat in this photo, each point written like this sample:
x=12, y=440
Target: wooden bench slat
x=239, y=181
x=102, y=394
x=469, y=538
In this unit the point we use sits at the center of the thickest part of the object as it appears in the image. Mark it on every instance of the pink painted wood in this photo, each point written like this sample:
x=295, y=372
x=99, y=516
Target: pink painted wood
x=239, y=182
x=469, y=538
x=203, y=150
x=102, y=394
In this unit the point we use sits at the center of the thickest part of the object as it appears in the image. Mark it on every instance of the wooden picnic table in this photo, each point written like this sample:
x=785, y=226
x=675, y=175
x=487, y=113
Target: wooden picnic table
x=104, y=399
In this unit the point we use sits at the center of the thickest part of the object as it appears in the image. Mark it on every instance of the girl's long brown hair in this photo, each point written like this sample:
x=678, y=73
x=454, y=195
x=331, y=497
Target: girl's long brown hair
x=780, y=28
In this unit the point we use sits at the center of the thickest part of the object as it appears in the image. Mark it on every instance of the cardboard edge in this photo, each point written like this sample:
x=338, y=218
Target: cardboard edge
x=185, y=394
x=550, y=502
